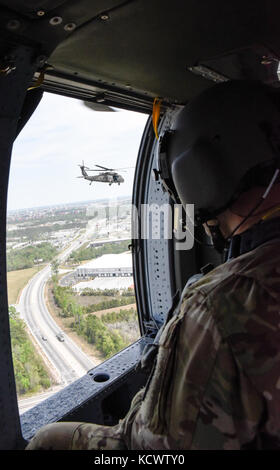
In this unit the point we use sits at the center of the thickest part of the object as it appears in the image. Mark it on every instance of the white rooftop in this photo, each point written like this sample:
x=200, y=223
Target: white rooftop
x=122, y=260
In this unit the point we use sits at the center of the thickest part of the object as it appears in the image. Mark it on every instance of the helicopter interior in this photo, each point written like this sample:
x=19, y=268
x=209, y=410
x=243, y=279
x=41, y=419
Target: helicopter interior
x=122, y=54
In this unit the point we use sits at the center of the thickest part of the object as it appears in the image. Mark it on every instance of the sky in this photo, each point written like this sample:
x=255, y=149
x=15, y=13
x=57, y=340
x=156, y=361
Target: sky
x=62, y=133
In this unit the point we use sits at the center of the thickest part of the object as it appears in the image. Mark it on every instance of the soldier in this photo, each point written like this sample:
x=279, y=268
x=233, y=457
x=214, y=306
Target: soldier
x=216, y=382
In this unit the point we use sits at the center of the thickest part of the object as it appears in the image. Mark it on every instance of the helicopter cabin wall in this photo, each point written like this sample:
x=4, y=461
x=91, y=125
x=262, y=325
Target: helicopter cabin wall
x=15, y=108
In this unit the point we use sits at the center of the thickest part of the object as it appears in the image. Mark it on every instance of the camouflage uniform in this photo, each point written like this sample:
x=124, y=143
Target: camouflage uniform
x=216, y=384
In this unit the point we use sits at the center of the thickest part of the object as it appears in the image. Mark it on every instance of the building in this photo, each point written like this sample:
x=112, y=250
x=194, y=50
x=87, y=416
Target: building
x=103, y=283
x=111, y=265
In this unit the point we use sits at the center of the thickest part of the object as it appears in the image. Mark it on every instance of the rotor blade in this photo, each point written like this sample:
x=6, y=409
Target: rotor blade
x=123, y=169
x=95, y=170
x=104, y=167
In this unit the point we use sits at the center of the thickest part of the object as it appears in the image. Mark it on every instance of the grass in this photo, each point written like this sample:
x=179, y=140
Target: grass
x=17, y=280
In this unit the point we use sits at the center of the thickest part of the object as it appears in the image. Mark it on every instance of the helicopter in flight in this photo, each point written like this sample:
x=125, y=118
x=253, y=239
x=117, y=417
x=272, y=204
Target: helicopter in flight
x=106, y=175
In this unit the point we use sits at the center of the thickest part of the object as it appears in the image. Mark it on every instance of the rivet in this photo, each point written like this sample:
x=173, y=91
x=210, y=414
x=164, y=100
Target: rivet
x=104, y=17
x=56, y=20
x=70, y=26
x=40, y=13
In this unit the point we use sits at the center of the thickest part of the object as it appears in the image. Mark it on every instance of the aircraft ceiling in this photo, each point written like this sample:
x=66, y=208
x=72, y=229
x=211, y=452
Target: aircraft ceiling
x=145, y=49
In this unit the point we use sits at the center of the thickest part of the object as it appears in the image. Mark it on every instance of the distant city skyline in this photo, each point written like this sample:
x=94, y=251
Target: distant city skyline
x=72, y=203
x=61, y=134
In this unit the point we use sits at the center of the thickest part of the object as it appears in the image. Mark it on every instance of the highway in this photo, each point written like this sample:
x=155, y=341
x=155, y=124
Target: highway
x=67, y=361
x=64, y=358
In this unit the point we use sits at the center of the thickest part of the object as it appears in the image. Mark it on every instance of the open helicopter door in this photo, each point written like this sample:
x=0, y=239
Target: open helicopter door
x=104, y=394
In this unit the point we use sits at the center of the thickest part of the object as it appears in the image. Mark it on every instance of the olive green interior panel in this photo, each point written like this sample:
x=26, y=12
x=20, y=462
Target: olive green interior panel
x=156, y=47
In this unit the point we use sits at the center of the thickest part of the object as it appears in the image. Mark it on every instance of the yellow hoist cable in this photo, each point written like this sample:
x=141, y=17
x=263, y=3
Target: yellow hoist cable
x=156, y=114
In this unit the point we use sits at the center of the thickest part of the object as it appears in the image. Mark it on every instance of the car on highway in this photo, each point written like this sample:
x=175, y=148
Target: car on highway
x=60, y=337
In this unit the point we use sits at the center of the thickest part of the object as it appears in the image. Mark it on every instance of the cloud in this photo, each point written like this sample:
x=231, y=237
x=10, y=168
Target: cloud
x=61, y=133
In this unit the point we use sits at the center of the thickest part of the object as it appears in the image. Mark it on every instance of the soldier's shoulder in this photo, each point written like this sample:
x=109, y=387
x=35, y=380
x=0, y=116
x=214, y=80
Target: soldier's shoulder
x=260, y=266
x=240, y=293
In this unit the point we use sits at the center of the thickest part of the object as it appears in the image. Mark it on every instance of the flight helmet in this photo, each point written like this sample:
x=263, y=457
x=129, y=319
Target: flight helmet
x=223, y=142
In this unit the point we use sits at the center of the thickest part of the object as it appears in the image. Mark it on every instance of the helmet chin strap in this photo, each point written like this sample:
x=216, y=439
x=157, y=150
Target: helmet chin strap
x=220, y=243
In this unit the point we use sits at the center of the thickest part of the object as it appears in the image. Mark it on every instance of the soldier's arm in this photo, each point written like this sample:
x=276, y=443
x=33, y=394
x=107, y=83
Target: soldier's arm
x=198, y=397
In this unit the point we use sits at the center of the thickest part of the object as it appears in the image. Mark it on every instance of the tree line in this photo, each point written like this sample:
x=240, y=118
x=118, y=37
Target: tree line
x=28, y=256
x=88, y=325
x=129, y=292
x=37, y=232
x=94, y=330
x=122, y=315
x=30, y=373
x=65, y=299
x=91, y=252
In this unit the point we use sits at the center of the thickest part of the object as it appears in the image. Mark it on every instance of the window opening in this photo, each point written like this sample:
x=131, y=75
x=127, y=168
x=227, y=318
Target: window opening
x=70, y=285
